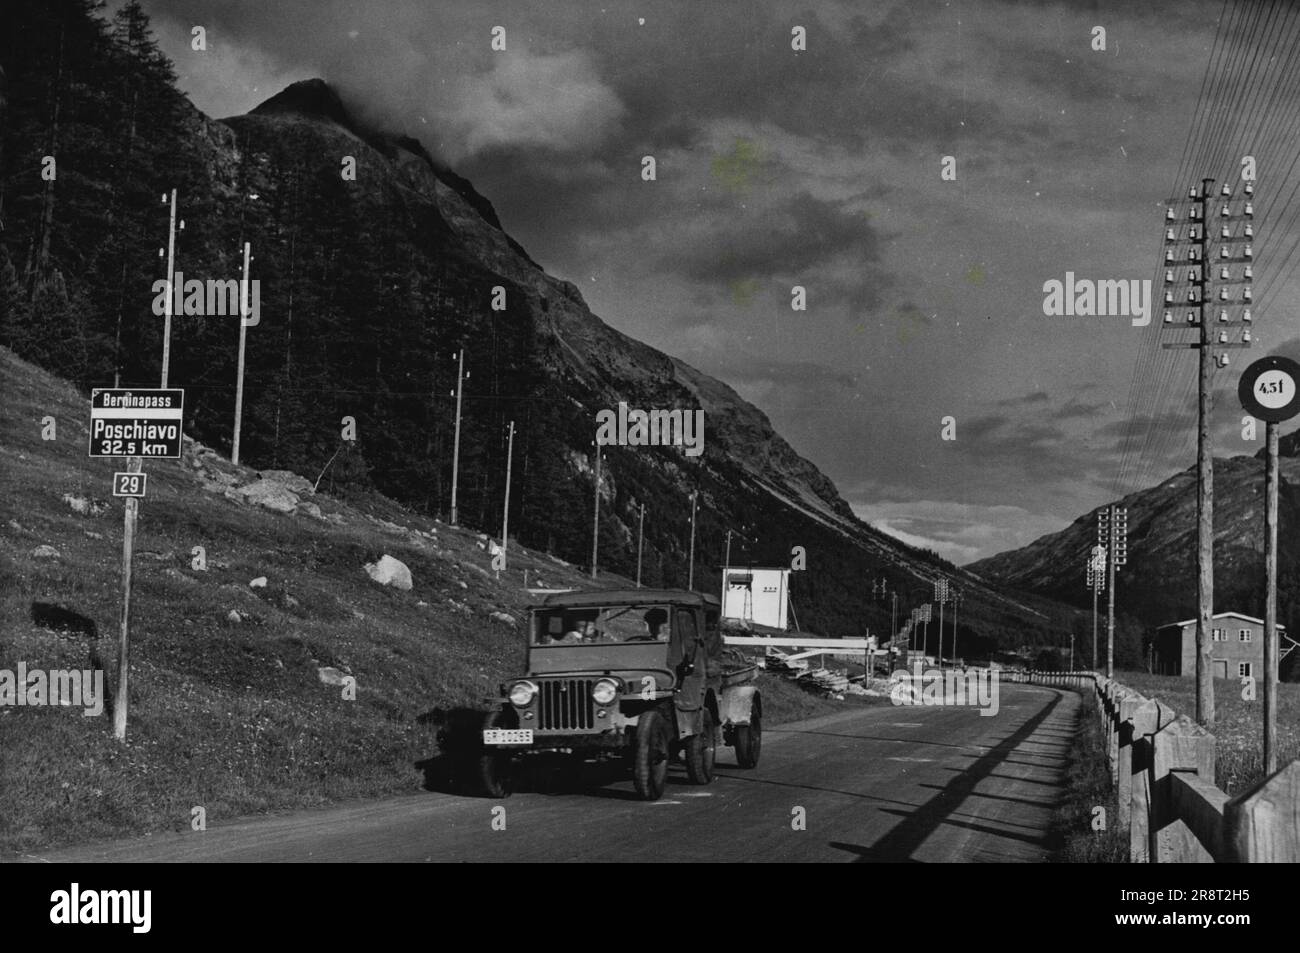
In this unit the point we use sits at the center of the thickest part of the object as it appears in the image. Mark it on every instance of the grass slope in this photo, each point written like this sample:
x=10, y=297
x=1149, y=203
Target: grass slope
x=232, y=716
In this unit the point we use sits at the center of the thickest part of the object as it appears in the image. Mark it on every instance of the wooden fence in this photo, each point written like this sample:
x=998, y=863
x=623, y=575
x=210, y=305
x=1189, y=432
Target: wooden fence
x=1162, y=766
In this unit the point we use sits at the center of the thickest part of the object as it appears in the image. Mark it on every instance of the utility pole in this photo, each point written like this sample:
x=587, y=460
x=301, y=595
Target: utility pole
x=726, y=564
x=640, y=539
x=455, y=451
x=595, y=517
x=243, y=334
x=1096, y=582
x=1112, y=532
x=505, y=518
x=167, y=305
x=690, y=573
x=955, y=595
x=1071, y=652
x=1200, y=280
x=941, y=596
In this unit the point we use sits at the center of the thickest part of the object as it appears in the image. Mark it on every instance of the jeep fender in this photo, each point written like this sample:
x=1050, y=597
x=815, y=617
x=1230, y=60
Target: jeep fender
x=737, y=704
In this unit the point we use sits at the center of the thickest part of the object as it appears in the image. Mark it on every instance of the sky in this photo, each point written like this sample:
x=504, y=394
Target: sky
x=822, y=168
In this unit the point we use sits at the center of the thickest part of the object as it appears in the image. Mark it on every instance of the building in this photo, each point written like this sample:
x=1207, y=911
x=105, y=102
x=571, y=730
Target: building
x=761, y=596
x=1236, y=643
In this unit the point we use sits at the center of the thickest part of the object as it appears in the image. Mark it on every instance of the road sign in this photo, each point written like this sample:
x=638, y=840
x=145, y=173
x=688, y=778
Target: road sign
x=1268, y=389
x=129, y=484
x=144, y=422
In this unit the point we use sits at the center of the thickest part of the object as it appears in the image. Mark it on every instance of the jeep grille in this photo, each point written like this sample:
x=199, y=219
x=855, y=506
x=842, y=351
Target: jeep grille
x=566, y=704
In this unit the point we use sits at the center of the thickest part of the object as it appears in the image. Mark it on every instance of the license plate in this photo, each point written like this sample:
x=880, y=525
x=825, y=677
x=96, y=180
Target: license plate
x=508, y=736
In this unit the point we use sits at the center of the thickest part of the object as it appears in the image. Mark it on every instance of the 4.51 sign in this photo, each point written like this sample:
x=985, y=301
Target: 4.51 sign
x=1268, y=389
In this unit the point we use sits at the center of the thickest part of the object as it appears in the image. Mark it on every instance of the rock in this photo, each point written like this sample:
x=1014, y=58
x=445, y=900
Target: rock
x=84, y=506
x=45, y=552
x=358, y=614
x=291, y=602
x=94, y=535
x=311, y=509
x=330, y=675
x=271, y=495
x=335, y=518
x=235, y=616
x=290, y=481
x=258, y=583
x=16, y=526
x=390, y=572
x=462, y=583
x=505, y=617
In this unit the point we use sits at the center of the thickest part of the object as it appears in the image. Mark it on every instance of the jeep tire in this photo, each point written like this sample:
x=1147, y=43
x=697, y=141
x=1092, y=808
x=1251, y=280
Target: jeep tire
x=699, y=750
x=749, y=738
x=650, y=755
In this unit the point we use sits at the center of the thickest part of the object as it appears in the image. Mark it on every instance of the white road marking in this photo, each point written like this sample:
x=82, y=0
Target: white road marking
x=909, y=759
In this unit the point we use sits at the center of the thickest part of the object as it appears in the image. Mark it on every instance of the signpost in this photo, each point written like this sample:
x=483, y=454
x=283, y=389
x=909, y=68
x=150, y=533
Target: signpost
x=136, y=423
x=1268, y=391
x=133, y=423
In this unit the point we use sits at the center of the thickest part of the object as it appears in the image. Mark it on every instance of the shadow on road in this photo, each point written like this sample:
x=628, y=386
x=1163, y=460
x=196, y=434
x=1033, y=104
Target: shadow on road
x=911, y=832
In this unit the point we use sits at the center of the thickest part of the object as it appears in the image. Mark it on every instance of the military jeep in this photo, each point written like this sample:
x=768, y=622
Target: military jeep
x=640, y=675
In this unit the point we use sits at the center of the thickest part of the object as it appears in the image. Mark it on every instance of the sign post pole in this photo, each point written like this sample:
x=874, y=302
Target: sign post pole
x=124, y=637
x=1268, y=391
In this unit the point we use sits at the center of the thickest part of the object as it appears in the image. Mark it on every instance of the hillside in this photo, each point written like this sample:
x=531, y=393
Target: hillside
x=1159, y=583
x=369, y=286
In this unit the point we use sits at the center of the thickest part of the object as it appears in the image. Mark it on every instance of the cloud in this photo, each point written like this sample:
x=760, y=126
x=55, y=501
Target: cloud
x=552, y=101
x=960, y=532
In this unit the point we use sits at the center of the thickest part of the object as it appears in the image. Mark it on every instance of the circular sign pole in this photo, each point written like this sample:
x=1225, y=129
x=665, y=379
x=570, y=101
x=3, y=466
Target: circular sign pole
x=1268, y=390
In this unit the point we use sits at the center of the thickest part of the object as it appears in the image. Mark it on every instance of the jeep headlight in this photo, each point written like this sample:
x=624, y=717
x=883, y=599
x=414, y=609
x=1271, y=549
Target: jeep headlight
x=604, y=691
x=521, y=693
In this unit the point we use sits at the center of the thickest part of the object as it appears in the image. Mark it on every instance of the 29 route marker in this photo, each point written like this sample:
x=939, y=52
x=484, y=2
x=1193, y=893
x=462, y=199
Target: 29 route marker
x=139, y=422
x=130, y=484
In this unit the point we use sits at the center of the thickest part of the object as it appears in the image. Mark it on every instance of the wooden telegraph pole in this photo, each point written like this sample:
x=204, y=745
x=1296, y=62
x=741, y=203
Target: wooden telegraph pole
x=455, y=448
x=505, y=516
x=640, y=539
x=167, y=305
x=243, y=334
x=690, y=572
x=595, y=517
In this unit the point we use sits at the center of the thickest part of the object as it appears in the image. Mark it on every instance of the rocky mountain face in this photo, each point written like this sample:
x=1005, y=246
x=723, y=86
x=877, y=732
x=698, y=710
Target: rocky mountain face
x=1159, y=583
x=377, y=265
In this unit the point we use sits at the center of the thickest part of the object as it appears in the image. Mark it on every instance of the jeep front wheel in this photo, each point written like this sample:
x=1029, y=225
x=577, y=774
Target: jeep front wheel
x=650, y=756
x=699, y=751
x=495, y=767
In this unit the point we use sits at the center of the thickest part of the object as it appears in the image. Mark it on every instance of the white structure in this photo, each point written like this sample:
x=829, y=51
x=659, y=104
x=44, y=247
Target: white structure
x=761, y=596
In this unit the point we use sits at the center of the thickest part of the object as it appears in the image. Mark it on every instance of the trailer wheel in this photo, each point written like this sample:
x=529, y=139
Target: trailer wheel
x=650, y=756
x=699, y=752
x=495, y=767
x=749, y=738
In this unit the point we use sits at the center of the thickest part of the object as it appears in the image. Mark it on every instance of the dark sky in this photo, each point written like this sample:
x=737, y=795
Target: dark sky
x=822, y=169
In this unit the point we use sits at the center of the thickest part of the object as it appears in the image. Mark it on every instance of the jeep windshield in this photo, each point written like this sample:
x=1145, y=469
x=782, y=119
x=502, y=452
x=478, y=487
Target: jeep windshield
x=592, y=625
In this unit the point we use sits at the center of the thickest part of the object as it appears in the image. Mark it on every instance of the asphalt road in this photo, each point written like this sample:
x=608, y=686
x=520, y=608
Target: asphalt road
x=875, y=784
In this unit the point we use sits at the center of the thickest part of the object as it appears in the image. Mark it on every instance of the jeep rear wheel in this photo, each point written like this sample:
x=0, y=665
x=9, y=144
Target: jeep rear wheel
x=650, y=757
x=749, y=738
x=699, y=751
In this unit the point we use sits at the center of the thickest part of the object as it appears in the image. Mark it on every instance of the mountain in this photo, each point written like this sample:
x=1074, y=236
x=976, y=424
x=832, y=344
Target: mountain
x=1158, y=585
x=376, y=265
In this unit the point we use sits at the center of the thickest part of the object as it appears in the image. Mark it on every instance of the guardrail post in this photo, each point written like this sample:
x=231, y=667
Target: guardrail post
x=1262, y=825
x=1128, y=705
x=1148, y=718
x=1181, y=745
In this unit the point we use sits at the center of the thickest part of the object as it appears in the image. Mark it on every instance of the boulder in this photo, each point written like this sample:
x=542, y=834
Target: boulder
x=289, y=480
x=45, y=552
x=234, y=616
x=390, y=572
x=330, y=675
x=505, y=617
x=258, y=583
x=273, y=496
x=311, y=509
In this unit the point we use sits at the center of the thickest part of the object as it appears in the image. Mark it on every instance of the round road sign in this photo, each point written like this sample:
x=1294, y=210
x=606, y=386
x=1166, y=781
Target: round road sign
x=1268, y=389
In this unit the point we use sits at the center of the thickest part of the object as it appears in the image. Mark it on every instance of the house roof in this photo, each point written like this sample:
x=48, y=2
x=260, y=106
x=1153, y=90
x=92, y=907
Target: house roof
x=1220, y=615
x=630, y=597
